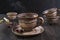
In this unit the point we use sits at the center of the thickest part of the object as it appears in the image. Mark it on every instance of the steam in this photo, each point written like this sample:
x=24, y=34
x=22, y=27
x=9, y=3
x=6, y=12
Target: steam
x=17, y=6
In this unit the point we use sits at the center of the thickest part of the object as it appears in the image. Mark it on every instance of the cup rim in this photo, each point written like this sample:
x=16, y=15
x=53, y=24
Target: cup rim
x=51, y=9
x=35, y=15
x=9, y=13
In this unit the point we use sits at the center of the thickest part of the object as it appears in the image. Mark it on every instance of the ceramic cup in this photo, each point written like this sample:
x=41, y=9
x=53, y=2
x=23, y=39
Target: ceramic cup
x=12, y=15
x=28, y=21
x=50, y=13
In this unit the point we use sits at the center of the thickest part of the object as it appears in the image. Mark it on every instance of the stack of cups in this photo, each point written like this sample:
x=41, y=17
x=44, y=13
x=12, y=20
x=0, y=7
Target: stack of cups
x=51, y=15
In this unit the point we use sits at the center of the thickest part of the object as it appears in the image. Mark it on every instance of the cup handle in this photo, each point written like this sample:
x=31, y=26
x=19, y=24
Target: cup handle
x=41, y=20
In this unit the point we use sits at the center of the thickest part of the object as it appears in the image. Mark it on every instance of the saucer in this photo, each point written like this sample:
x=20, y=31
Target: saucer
x=35, y=31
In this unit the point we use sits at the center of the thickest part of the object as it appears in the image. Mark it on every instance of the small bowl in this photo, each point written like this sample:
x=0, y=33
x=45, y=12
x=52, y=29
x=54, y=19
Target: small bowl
x=11, y=15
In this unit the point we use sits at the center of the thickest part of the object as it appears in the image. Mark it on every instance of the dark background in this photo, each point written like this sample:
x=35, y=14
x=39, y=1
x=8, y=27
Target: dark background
x=27, y=5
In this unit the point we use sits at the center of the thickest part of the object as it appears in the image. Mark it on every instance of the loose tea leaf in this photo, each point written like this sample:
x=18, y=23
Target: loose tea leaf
x=7, y=21
x=1, y=21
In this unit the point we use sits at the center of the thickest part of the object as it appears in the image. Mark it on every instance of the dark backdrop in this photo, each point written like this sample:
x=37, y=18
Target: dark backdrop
x=27, y=5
